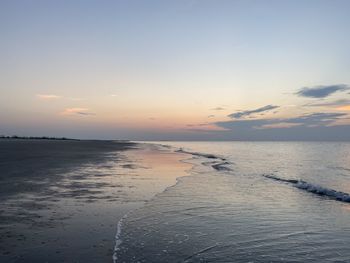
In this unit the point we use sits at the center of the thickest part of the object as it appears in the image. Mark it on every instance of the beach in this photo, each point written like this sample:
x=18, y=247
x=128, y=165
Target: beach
x=61, y=201
x=174, y=131
x=110, y=201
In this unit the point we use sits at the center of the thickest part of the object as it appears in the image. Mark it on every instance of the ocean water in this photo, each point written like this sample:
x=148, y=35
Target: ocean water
x=246, y=202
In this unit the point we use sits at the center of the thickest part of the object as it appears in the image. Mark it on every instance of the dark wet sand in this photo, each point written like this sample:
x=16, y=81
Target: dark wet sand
x=26, y=164
x=61, y=200
x=48, y=210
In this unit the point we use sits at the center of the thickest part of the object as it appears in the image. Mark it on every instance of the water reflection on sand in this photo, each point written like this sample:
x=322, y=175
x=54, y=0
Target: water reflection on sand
x=75, y=218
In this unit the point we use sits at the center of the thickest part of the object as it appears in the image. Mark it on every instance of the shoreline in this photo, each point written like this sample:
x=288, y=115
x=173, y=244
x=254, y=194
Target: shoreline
x=186, y=173
x=205, y=216
x=74, y=216
x=157, y=203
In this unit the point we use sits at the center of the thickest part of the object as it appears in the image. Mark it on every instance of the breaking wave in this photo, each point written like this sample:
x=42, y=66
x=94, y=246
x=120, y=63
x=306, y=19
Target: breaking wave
x=221, y=165
x=118, y=239
x=312, y=188
x=206, y=155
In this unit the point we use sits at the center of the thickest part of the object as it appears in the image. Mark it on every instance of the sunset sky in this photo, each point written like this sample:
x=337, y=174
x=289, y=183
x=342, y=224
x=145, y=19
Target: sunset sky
x=176, y=70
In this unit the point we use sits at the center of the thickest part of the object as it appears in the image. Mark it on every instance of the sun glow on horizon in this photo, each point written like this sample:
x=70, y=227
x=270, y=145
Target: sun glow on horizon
x=118, y=69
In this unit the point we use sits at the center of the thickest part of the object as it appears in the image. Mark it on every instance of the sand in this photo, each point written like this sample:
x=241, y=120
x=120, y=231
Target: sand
x=61, y=201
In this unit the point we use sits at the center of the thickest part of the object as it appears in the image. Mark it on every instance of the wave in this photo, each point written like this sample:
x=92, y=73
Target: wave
x=118, y=239
x=217, y=165
x=118, y=235
x=206, y=155
x=222, y=166
x=313, y=188
x=270, y=176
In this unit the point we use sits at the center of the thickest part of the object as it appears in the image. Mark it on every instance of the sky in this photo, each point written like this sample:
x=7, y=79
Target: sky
x=175, y=70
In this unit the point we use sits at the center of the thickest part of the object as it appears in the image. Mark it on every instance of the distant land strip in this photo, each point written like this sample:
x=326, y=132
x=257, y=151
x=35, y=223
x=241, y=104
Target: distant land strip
x=36, y=138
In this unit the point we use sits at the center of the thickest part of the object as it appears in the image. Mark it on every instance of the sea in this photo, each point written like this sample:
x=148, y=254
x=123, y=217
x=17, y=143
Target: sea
x=246, y=202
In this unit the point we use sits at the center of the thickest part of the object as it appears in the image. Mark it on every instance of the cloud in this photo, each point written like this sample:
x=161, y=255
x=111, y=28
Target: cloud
x=77, y=111
x=53, y=97
x=341, y=102
x=204, y=127
x=279, y=125
x=306, y=120
x=218, y=108
x=198, y=125
x=321, y=91
x=85, y=113
x=211, y=116
x=317, y=119
x=240, y=114
x=48, y=96
x=315, y=126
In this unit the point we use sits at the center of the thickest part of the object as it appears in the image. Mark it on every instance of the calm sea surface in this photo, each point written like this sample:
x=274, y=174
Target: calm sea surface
x=247, y=202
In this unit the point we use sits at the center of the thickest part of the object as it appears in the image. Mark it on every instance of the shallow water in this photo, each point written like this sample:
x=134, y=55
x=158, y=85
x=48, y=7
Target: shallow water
x=242, y=213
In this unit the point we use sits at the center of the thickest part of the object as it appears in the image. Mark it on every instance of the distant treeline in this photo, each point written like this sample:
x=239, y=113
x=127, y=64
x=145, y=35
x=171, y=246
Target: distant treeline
x=34, y=137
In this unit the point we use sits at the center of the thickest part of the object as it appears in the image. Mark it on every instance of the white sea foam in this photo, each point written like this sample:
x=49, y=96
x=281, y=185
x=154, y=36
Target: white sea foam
x=118, y=239
x=209, y=207
x=118, y=236
x=316, y=189
x=313, y=188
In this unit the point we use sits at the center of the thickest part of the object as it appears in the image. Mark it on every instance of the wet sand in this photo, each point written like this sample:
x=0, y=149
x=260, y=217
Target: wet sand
x=61, y=200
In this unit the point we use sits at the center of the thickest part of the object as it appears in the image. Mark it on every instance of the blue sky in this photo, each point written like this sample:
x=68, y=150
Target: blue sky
x=177, y=70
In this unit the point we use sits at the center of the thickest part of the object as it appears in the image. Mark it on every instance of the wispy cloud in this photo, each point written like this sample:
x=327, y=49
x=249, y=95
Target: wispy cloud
x=85, y=113
x=77, y=111
x=335, y=103
x=218, y=108
x=48, y=96
x=315, y=126
x=241, y=114
x=200, y=127
x=317, y=119
x=279, y=125
x=321, y=91
x=306, y=120
x=53, y=97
